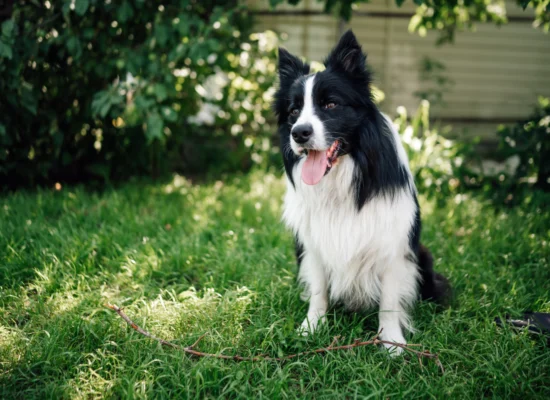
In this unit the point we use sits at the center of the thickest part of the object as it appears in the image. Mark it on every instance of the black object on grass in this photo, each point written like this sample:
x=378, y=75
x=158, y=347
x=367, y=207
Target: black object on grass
x=535, y=322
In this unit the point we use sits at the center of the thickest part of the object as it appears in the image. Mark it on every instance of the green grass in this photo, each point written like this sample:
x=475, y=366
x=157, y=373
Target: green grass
x=189, y=259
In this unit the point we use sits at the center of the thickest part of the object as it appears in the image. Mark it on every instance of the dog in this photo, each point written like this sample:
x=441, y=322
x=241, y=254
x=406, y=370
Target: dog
x=351, y=201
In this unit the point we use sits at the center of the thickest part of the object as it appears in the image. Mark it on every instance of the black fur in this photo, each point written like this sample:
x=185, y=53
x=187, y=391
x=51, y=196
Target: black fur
x=356, y=122
x=414, y=234
x=291, y=68
x=299, y=249
x=433, y=286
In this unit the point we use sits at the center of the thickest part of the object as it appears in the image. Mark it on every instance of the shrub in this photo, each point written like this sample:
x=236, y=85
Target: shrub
x=443, y=167
x=106, y=90
x=529, y=140
x=438, y=164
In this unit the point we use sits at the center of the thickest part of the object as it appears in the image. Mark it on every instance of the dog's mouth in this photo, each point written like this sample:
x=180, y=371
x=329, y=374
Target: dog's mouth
x=319, y=162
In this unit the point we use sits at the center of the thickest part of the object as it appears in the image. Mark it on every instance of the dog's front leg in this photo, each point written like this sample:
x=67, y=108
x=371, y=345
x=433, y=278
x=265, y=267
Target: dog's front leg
x=398, y=292
x=312, y=275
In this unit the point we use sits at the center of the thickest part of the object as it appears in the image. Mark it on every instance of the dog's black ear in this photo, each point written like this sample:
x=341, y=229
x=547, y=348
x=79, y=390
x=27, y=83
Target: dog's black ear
x=290, y=68
x=347, y=56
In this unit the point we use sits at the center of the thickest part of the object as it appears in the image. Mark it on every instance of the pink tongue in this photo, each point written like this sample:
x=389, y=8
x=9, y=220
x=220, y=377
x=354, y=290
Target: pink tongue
x=314, y=167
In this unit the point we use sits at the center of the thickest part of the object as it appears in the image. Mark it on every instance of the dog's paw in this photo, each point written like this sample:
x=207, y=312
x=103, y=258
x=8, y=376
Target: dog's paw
x=304, y=329
x=309, y=326
x=397, y=338
x=394, y=351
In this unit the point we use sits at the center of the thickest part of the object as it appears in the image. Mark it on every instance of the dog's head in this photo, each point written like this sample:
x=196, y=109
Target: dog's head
x=319, y=114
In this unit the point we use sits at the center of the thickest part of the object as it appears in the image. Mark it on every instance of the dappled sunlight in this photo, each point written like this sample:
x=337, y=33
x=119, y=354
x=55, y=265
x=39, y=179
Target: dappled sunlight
x=63, y=302
x=139, y=266
x=268, y=190
x=230, y=275
x=262, y=190
x=188, y=314
x=11, y=340
x=179, y=184
x=218, y=314
x=90, y=383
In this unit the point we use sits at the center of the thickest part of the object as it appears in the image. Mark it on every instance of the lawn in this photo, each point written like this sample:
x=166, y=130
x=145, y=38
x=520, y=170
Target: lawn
x=189, y=259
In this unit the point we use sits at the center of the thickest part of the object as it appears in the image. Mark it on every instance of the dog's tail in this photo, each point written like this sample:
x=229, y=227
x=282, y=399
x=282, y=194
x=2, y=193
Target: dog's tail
x=433, y=286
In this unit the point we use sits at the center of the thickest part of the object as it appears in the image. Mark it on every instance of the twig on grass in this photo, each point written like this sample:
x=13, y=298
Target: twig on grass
x=197, y=341
x=262, y=357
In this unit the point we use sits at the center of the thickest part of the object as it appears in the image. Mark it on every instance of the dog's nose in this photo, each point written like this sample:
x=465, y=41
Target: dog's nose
x=302, y=133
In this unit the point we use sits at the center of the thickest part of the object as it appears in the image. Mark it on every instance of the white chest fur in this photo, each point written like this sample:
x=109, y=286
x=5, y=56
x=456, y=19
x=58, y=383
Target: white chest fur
x=353, y=247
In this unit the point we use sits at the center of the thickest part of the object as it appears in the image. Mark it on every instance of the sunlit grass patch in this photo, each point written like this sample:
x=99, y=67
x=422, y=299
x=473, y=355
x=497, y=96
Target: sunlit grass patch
x=185, y=316
x=11, y=340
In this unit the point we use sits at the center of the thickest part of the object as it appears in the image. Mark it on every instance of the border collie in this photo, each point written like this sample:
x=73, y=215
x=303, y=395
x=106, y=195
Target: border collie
x=351, y=199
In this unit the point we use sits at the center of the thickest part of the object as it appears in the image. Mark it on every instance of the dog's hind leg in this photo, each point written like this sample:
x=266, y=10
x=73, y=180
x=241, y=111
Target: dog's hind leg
x=399, y=288
x=434, y=286
x=312, y=275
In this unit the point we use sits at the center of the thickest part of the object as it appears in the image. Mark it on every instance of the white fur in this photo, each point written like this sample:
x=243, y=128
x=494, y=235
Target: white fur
x=358, y=257
x=307, y=116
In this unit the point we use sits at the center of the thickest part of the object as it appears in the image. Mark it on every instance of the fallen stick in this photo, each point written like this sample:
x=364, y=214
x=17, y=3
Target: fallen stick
x=332, y=347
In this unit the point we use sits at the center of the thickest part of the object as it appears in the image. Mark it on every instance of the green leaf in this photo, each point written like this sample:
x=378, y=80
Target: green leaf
x=88, y=33
x=5, y=51
x=155, y=125
x=66, y=9
x=104, y=110
x=162, y=33
x=28, y=98
x=183, y=25
x=104, y=100
x=101, y=103
x=74, y=46
x=524, y=3
x=81, y=6
x=143, y=103
x=8, y=28
x=125, y=12
x=399, y=2
x=169, y=114
x=161, y=92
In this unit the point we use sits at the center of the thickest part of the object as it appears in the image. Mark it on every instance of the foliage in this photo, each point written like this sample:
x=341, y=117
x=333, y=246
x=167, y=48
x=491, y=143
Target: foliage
x=542, y=12
x=113, y=89
x=443, y=168
x=447, y=16
x=439, y=165
x=529, y=141
x=145, y=247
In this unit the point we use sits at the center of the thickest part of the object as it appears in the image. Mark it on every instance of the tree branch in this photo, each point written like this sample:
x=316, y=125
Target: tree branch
x=262, y=357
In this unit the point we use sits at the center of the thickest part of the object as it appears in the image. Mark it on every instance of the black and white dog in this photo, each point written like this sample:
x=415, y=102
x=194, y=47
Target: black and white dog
x=351, y=200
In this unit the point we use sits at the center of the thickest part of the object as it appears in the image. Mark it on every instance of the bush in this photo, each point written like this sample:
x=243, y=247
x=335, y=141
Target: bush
x=530, y=141
x=438, y=165
x=106, y=90
x=443, y=167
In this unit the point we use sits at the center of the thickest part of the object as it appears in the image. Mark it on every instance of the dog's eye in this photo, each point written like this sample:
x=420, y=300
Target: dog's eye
x=294, y=112
x=328, y=106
